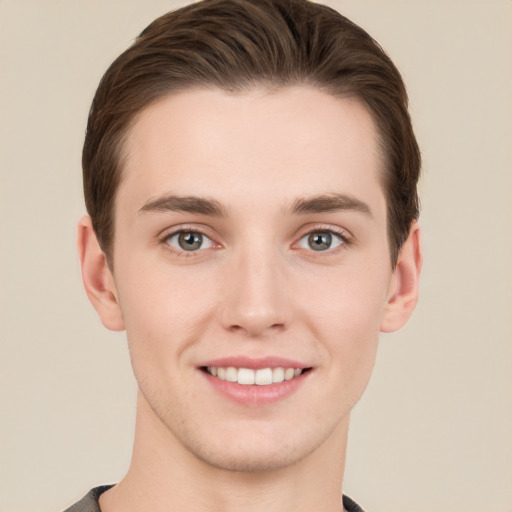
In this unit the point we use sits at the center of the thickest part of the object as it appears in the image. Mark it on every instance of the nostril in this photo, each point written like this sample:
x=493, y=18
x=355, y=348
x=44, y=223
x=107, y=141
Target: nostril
x=256, y=328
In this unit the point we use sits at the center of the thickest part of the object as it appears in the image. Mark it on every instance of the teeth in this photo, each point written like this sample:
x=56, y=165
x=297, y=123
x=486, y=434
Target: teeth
x=278, y=375
x=289, y=373
x=248, y=376
x=263, y=377
x=231, y=374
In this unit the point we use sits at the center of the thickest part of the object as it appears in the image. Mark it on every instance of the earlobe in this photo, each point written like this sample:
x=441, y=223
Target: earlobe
x=97, y=277
x=403, y=294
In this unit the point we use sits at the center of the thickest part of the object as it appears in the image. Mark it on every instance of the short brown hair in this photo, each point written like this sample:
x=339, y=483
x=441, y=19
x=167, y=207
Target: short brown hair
x=237, y=44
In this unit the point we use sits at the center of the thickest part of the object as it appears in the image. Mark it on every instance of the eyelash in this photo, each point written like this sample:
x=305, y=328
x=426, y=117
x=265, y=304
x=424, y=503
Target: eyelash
x=164, y=240
x=341, y=234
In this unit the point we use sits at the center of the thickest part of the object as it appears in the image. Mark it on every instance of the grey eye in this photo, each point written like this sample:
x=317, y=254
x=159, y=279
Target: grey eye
x=189, y=241
x=320, y=241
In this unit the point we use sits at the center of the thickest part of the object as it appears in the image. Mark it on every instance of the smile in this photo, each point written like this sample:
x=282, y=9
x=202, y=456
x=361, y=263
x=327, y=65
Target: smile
x=249, y=376
x=256, y=382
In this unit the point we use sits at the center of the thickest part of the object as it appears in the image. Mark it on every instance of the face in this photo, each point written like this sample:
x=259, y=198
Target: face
x=252, y=269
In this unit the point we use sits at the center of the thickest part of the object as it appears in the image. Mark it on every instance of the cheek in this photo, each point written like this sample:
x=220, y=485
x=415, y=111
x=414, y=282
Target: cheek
x=164, y=310
x=164, y=318
x=344, y=299
x=344, y=313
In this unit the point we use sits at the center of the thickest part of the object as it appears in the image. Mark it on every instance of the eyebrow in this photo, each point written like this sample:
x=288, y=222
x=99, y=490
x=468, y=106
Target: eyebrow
x=205, y=206
x=189, y=204
x=329, y=203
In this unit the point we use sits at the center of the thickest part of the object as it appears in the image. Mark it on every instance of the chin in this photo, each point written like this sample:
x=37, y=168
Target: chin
x=251, y=460
x=257, y=450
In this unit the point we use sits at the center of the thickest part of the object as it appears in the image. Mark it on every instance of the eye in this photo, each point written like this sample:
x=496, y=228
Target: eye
x=189, y=241
x=321, y=240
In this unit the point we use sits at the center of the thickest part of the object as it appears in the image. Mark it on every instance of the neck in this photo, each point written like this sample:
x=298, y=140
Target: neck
x=164, y=476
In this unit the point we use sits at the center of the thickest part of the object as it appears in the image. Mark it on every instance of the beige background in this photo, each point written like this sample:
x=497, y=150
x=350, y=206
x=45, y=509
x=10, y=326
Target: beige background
x=434, y=431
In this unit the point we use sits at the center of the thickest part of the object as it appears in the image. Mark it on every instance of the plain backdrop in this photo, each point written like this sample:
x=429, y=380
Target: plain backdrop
x=434, y=429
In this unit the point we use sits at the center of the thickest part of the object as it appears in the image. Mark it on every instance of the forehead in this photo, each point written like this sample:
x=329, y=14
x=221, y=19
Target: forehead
x=266, y=146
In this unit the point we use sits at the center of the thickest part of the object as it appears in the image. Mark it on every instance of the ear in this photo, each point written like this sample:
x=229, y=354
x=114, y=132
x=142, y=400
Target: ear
x=403, y=292
x=97, y=277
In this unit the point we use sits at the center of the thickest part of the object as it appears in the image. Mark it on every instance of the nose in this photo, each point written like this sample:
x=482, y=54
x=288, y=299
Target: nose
x=255, y=295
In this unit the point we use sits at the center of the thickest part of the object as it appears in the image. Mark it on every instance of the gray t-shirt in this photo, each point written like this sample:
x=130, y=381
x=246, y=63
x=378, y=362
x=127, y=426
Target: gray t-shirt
x=89, y=503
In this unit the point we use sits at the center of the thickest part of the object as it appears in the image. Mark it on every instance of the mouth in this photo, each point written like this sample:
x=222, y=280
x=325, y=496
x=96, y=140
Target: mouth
x=256, y=381
x=254, y=377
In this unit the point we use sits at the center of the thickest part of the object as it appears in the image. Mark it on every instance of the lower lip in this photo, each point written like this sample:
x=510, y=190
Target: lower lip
x=254, y=395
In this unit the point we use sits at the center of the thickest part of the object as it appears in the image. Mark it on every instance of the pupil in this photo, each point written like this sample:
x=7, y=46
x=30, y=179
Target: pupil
x=320, y=241
x=190, y=241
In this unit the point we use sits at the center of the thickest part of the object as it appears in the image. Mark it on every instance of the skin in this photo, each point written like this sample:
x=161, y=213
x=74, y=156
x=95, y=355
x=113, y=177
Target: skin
x=256, y=287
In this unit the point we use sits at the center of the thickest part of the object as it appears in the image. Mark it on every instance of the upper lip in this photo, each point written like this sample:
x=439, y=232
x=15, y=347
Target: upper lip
x=254, y=363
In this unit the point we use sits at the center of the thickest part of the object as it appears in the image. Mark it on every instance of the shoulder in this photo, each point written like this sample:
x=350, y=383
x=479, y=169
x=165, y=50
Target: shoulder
x=350, y=505
x=89, y=503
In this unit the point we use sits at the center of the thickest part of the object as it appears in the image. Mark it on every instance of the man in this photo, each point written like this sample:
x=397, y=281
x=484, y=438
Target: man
x=250, y=176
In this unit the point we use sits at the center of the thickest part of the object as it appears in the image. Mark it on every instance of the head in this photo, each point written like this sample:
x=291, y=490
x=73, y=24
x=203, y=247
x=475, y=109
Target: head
x=236, y=45
x=250, y=172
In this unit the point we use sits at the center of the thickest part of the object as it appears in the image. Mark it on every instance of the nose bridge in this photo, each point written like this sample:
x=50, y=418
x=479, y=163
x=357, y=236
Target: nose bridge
x=255, y=298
